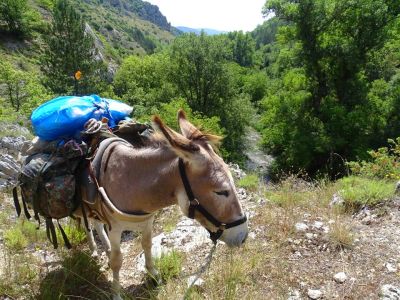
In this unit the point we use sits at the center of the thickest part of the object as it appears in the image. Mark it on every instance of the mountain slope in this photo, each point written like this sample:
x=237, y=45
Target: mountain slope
x=126, y=27
x=208, y=31
x=120, y=28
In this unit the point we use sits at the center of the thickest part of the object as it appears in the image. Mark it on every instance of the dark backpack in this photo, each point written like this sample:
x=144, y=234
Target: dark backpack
x=48, y=185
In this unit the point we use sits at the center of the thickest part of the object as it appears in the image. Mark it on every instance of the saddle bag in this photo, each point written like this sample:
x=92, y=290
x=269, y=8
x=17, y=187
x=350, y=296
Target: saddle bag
x=48, y=185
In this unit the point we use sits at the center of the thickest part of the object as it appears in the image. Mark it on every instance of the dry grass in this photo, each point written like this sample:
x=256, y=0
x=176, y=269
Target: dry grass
x=341, y=235
x=278, y=259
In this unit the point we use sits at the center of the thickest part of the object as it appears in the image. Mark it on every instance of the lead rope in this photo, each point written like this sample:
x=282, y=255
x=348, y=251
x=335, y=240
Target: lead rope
x=201, y=270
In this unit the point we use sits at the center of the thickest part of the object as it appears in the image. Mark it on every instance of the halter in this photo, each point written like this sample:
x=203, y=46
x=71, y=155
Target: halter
x=195, y=205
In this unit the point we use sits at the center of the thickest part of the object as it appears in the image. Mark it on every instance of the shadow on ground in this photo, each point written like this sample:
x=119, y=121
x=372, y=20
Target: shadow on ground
x=78, y=276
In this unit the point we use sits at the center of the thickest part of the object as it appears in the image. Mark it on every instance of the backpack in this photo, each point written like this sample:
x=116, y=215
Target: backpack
x=48, y=184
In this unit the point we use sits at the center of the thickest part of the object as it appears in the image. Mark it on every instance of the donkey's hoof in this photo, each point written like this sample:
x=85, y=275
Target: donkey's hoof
x=94, y=254
x=154, y=276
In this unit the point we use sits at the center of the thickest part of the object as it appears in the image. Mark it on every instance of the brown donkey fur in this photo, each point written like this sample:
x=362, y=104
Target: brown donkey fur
x=147, y=179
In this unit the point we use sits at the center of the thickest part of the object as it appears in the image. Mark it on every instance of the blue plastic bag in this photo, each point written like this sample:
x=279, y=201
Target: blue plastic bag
x=64, y=117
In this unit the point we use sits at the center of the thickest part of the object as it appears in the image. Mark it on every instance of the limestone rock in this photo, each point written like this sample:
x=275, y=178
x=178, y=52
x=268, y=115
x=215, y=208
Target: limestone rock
x=340, y=277
x=391, y=268
x=9, y=170
x=314, y=294
x=390, y=292
x=301, y=227
x=294, y=294
x=337, y=200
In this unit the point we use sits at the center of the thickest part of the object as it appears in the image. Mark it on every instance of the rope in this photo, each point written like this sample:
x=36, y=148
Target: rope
x=201, y=270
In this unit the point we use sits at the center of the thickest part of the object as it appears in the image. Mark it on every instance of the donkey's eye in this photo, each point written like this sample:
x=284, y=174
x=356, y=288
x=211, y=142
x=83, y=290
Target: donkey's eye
x=222, y=193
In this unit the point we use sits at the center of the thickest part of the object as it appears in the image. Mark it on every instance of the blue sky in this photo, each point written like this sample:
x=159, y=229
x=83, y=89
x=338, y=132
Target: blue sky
x=226, y=15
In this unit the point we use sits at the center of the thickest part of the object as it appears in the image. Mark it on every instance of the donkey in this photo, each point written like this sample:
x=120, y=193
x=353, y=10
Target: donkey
x=172, y=168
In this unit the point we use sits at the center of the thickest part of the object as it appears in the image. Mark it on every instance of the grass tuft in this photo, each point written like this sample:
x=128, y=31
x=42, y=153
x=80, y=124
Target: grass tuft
x=169, y=265
x=75, y=233
x=359, y=191
x=250, y=182
x=14, y=239
x=340, y=236
x=22, y=234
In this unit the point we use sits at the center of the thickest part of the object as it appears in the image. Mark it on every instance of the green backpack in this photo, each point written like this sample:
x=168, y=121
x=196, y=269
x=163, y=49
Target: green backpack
x=48, y=185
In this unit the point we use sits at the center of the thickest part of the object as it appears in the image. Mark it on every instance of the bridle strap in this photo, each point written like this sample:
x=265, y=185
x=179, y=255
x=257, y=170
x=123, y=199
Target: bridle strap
x=194, y=205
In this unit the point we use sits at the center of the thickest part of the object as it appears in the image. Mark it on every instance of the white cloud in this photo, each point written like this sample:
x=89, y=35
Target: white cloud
x=227, y=15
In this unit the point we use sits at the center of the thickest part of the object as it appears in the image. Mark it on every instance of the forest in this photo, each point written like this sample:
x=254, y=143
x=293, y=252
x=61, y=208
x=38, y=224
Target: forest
x=319, y=79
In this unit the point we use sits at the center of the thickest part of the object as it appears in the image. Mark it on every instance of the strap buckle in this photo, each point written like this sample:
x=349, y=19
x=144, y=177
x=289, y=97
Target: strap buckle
x=194, y=202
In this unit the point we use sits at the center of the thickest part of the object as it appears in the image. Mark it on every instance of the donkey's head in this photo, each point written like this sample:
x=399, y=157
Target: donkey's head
x=208, y=192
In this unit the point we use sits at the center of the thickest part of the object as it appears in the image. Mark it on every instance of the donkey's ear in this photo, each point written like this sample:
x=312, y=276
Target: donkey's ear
x=193, y=133
x=187, y=128
x=181, y=145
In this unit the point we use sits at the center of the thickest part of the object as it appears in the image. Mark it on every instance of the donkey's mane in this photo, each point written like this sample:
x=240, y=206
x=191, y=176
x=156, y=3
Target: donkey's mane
x=157, y=139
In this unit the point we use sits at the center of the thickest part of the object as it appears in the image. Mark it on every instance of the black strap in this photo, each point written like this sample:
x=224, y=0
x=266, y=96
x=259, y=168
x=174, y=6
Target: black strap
x=51, y=232
x=195, y=205
x=66, y=241
x=85, y=220
x=209, y=217
x=185, y=180
x=214, y=236
x=16, y=201
x=26, y=212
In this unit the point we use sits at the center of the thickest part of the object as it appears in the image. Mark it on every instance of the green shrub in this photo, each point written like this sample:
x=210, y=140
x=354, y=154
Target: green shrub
x=384, y=163
x=14, y=239
x=169, y=265
x=359, y=191
x=75, y=234
x=22, y=234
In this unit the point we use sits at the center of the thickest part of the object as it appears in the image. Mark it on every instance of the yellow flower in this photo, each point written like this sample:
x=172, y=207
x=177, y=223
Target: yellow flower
x=78, y=75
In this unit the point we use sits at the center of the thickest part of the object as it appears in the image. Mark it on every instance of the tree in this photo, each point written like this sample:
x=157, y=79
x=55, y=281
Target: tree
x=203, y=75
x=143, y=82
x=243, y=48
x=324, y=100
x=15, y=82
x=12, y=14
x=198, y=68
x=69, y=50
x=21, y=89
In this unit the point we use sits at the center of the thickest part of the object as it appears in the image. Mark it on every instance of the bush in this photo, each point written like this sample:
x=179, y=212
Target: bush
x=22, y=234
x=384, y=163
x=169, y=265
x=14, y=239
x=76, y=235
x=358, y=191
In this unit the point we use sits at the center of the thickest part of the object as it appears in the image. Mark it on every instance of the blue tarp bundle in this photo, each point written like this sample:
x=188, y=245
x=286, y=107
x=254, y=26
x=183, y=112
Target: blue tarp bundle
x=64, y=117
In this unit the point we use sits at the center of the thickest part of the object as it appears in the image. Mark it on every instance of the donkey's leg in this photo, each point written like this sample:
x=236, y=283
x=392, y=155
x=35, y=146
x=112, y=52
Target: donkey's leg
x=92, y=243
x=115, y=260
x=103, y=237
x=146, y=245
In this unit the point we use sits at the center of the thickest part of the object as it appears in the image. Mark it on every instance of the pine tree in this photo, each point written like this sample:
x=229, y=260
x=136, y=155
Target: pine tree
x=71, y=62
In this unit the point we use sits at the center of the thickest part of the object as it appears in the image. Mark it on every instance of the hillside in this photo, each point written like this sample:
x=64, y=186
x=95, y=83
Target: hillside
x=121, y=28
x=126, y=27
